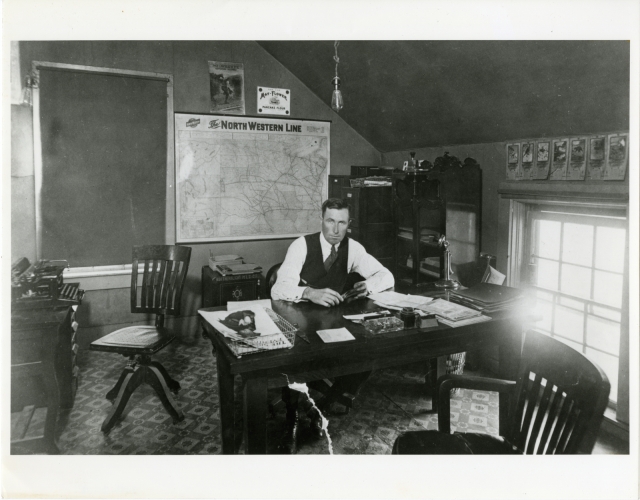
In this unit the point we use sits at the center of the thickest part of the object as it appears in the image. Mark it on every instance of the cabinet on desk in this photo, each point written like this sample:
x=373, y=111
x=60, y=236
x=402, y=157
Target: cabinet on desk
x=217, y=290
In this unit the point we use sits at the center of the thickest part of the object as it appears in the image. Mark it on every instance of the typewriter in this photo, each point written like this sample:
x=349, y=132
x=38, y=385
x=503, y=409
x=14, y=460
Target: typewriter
x=41, y=285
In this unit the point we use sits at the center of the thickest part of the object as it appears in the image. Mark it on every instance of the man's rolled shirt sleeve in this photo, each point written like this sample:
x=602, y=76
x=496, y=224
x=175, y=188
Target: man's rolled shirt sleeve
x=286, y=286
x=377, y=277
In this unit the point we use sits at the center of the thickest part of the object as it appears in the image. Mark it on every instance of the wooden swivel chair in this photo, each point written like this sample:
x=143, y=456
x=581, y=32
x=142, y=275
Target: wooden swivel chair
x=555, y=406
x=165, y=270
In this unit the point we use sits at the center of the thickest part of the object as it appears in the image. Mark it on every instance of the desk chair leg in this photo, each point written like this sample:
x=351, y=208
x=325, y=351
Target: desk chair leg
x=132, y=380
x=113, y=393
x=174, y=385
x=154, y=377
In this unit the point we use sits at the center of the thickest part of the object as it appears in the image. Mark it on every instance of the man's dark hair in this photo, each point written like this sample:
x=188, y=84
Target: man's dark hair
x=335, y=203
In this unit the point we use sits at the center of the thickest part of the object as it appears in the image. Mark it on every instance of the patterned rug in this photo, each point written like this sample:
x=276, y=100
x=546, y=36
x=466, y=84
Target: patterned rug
x=390, y=402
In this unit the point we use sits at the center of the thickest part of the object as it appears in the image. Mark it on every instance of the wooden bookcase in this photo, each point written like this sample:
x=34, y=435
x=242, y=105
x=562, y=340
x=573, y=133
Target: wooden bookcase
x=426, y=205
x=372, y=221
x=419, y=216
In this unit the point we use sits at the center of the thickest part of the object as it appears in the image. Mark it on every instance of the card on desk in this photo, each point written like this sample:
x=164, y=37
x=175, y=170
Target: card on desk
x=335, y=335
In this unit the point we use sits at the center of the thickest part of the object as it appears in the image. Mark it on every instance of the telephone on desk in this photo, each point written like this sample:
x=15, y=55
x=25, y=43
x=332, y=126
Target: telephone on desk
x=41, y=284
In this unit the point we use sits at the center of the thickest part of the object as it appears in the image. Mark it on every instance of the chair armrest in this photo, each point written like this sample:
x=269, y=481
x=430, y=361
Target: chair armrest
x=448, y=382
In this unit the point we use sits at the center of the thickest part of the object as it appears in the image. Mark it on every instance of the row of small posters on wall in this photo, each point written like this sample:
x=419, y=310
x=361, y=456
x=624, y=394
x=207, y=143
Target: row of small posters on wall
x=594, y=157
x=226, y=85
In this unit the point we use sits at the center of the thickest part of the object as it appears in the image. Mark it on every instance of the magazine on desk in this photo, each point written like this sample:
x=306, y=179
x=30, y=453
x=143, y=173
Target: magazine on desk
x=250, y=325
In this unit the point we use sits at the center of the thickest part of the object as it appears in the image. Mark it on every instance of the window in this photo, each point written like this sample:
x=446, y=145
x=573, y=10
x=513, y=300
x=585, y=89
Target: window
x=574, y=263
x=102, y=156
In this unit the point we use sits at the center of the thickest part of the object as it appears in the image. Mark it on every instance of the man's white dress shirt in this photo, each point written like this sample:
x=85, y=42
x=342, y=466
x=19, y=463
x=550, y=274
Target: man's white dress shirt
x=377, y=277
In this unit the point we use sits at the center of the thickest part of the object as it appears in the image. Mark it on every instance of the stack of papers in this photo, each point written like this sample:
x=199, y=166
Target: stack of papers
x=395, y=300
x=223, y=260
x=488, y=297
x=236, y=269
x=450, y=311
x=250, y=325
x=452, y=314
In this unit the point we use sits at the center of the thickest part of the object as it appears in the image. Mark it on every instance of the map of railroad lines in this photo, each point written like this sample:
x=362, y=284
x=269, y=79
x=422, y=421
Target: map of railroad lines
x=249, y=178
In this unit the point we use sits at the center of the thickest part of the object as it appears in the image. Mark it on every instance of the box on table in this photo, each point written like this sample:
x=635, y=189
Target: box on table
x=217, y=290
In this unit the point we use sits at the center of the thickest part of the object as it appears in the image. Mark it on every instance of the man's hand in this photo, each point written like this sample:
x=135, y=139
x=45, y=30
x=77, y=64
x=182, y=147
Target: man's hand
x=361, y=289
x=323, y=296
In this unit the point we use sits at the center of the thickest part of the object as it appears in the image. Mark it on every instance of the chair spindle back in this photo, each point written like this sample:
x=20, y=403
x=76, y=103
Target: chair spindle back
x=164, y=272
x=560, y=400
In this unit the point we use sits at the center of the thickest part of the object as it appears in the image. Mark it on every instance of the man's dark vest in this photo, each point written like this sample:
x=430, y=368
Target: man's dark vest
x=313, y=272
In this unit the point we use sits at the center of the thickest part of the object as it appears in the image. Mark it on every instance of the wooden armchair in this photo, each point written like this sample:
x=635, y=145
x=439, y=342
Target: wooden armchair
x=165, y=270
x=556, y=406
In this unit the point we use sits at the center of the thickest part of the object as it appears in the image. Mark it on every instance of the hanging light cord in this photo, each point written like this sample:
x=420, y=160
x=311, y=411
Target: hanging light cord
x=336, y=58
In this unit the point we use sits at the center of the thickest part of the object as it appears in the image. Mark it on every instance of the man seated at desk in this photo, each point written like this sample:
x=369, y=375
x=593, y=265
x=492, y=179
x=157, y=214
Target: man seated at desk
x=316, y=269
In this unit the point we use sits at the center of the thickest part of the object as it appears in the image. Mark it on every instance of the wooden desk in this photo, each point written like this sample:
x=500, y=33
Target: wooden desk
x=43, y=346
x=367, y=352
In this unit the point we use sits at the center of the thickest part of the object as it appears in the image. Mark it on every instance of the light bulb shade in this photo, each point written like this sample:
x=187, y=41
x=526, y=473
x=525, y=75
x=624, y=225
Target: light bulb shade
x=336, y=101
x=336, y=98
x=27, y=99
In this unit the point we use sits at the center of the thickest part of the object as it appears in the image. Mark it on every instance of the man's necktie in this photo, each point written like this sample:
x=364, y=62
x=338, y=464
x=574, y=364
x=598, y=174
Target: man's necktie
x=331, y=259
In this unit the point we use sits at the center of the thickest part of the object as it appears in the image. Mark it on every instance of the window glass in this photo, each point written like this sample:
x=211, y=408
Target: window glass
x=607, y=313
x=578, y=260
x=608, y=288
x=569, y=323
x=544, y=310
x=576, y=281
x=610, y=246
x=549, y=240
x=572, y=303
x=577, y=244
x=603, y=334
x=547, y=274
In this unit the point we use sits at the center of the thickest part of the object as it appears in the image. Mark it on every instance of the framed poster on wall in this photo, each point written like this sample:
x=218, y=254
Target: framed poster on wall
x=559, y=159
x=249, y=178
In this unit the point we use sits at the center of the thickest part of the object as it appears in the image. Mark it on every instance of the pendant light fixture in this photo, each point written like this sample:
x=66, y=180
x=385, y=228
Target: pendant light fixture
x=336, y=98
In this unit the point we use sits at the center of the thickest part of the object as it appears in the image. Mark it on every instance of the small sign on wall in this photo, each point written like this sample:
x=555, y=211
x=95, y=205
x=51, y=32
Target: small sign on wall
x=274, y=101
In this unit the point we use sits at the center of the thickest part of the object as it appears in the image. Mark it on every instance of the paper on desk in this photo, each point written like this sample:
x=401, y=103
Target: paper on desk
x=360, y=317
x=335, y=335
x=243, y=304
x=260, y=323
x=395, y=300
x=463, y=322
x=257, y=328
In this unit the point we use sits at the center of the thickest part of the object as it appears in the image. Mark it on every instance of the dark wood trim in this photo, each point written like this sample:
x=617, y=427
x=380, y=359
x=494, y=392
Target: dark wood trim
x=566, y=190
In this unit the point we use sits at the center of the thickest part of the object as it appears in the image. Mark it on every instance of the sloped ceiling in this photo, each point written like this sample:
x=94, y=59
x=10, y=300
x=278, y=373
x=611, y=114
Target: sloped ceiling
x=408, y=94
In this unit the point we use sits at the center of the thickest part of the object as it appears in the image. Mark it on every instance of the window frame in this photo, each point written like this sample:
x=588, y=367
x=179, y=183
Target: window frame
x=515, y=198
x=107, y=276
x=613, y=217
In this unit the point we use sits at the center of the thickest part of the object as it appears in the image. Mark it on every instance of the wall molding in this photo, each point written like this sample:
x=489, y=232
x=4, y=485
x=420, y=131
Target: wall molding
x=565, y=190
